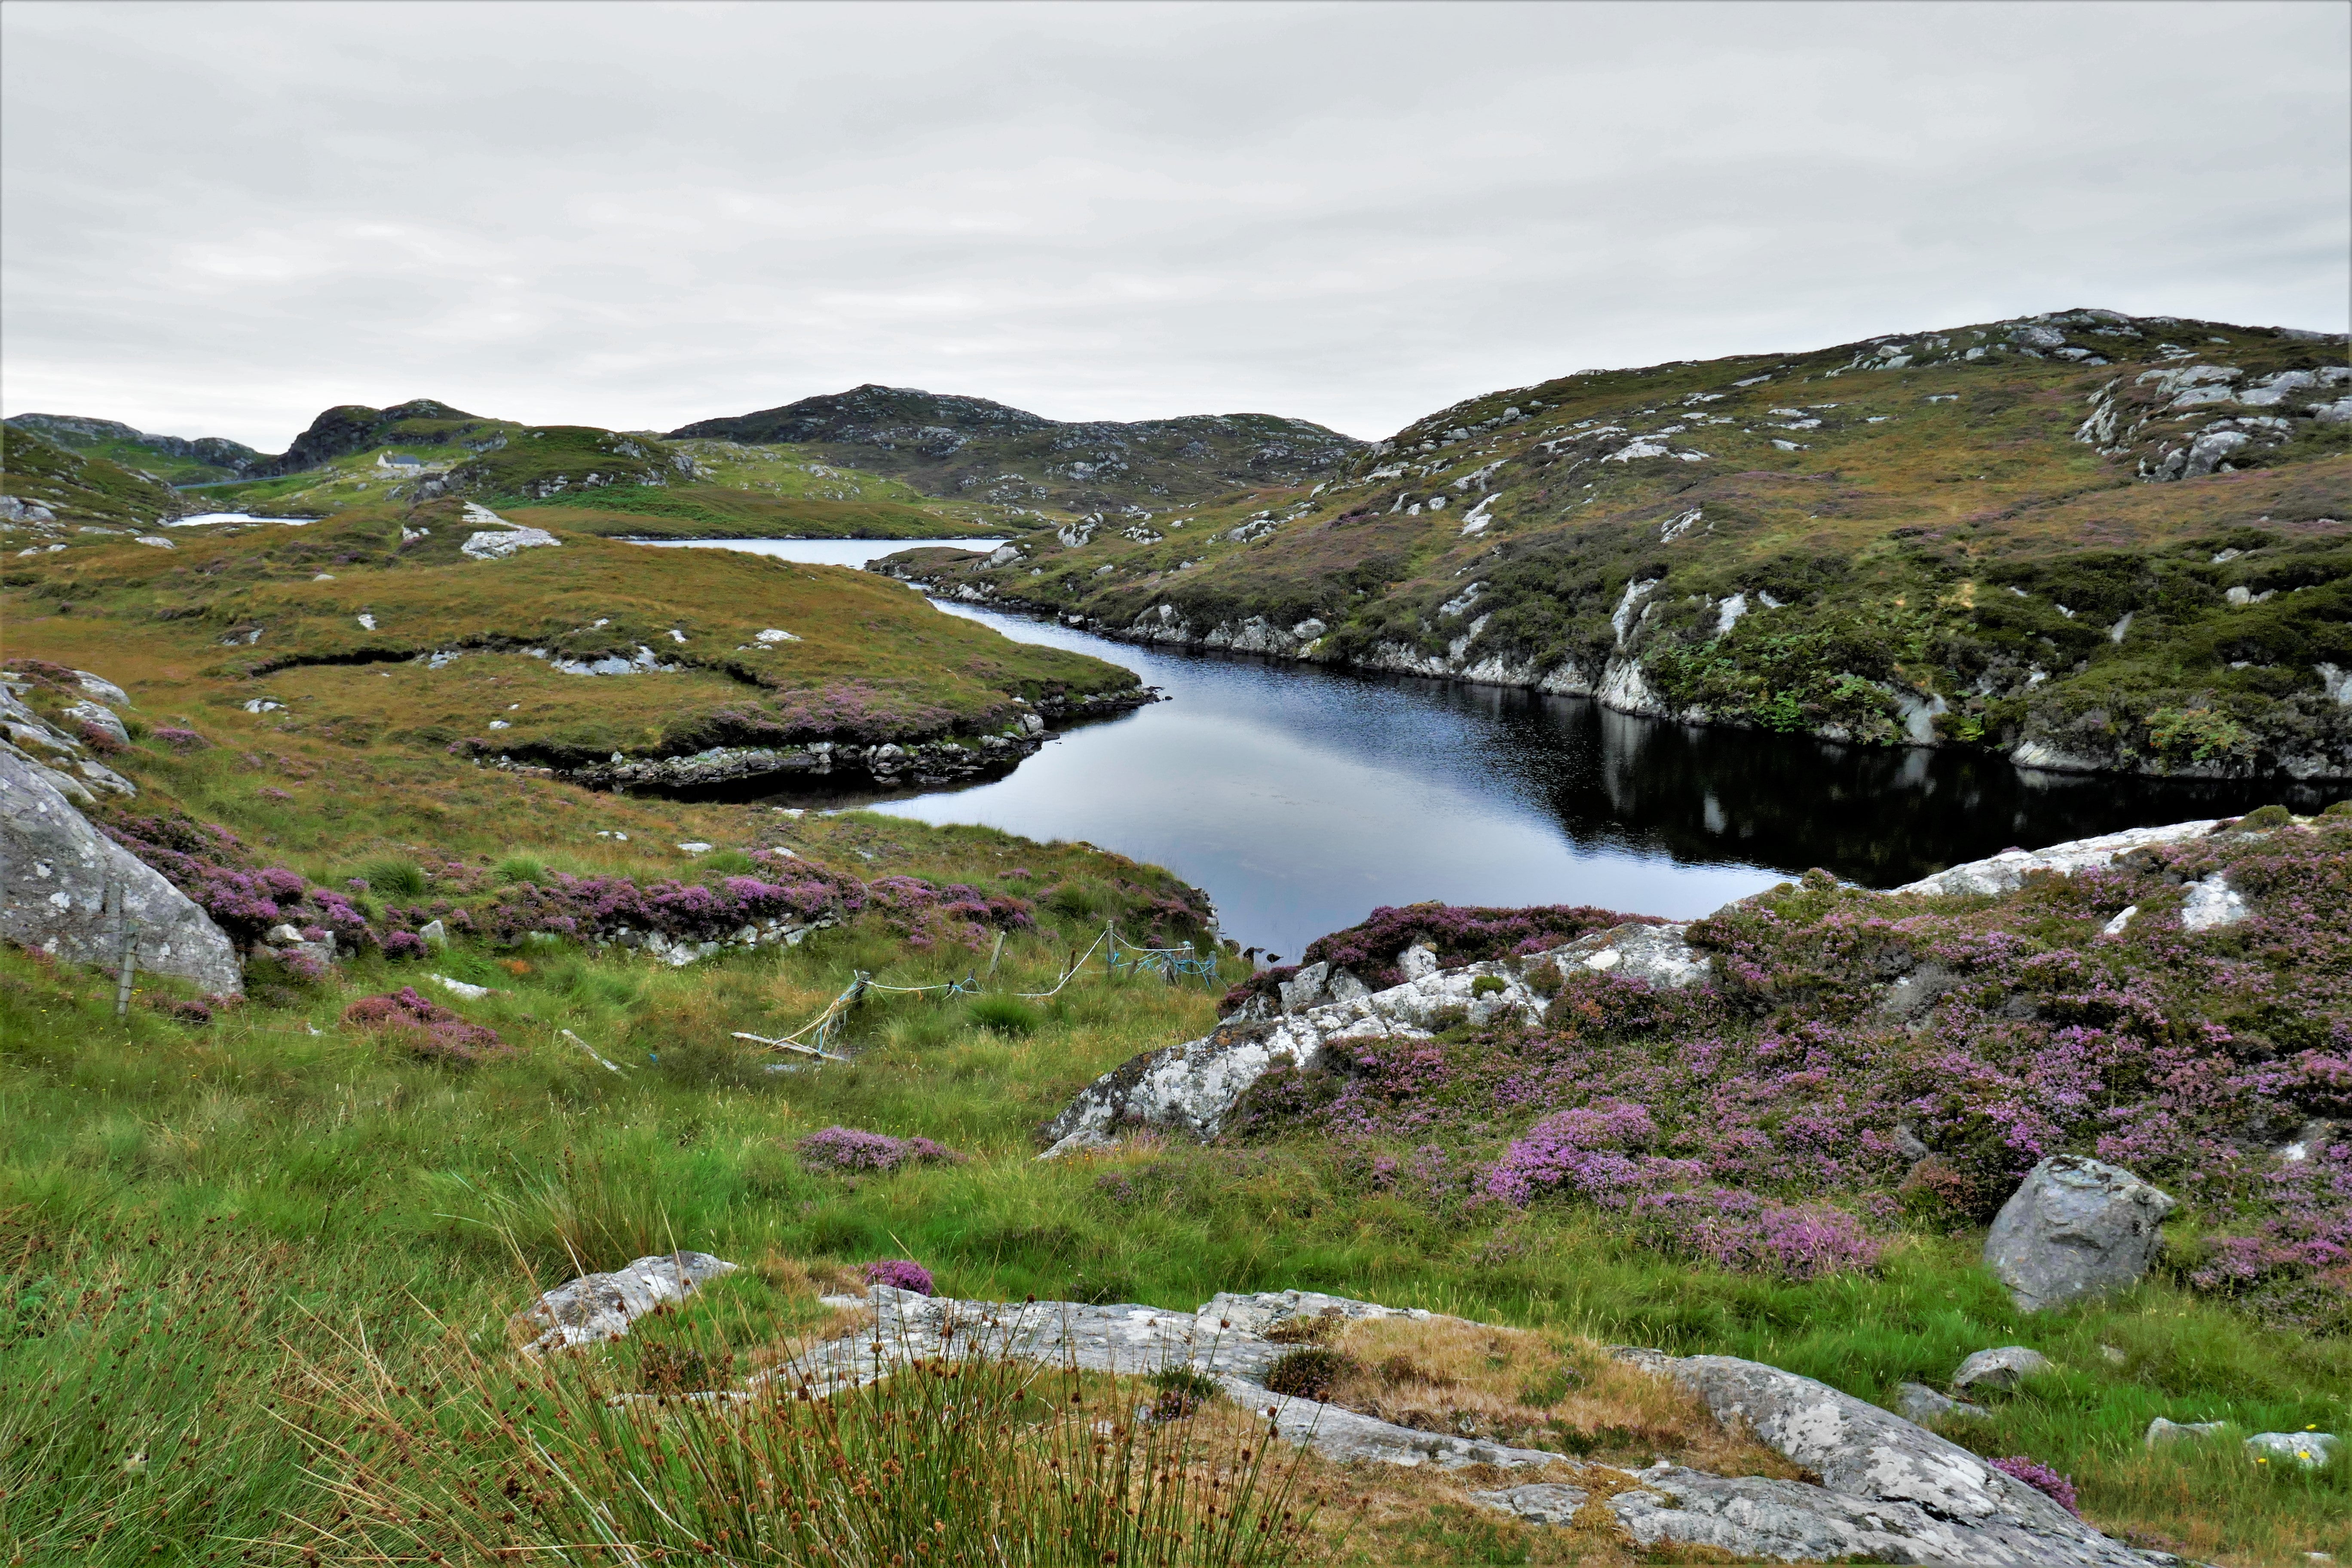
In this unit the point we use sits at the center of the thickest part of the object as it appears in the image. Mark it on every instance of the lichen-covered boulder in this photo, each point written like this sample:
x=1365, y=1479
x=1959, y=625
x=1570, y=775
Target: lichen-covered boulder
x=2006, y=872
x=2076, y=1228
x=55, y=869
x=2002, y=1369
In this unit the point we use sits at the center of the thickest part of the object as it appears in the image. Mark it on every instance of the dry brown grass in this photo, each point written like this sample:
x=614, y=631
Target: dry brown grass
x=1444, y=1375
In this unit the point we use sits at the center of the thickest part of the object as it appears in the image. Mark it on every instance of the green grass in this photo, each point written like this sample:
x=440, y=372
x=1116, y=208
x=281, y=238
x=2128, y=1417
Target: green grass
x=276, y=1196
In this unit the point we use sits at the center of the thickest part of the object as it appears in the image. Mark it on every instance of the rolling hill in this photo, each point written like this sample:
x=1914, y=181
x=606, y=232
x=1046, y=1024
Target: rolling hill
x=2089, y=541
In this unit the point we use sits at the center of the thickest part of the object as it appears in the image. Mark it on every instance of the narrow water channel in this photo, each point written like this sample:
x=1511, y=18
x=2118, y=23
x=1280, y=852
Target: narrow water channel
x=1301, y=797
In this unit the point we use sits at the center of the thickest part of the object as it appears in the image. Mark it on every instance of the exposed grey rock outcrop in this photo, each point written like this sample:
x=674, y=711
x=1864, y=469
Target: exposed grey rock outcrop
x=1191, y=1088
x=597, y=1307
x=55, y=869
x=2075, y=1227
x=1931, y=1499
x=2007, y=871
x=2212, y=903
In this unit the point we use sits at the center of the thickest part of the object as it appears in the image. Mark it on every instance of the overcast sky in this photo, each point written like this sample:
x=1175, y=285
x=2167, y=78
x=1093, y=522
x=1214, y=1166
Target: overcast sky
x=217, y=219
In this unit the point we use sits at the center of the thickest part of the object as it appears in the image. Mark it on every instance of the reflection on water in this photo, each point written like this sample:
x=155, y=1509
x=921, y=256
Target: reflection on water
x=1301, y=797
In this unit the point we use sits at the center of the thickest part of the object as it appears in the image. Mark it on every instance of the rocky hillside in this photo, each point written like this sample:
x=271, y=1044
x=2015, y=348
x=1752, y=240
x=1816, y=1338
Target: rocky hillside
x=970, y=448
x=2086, y=540
x=49, y=490
x=174, y=460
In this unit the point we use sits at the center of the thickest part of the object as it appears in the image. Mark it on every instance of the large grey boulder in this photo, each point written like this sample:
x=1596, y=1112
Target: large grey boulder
x=2074, y=1228
x=55, y=869
x=1191, y=1086
x=597, y=1307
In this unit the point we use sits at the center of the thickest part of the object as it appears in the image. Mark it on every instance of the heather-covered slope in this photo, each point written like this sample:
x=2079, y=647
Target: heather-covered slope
x=970, y=448
x=2087, y=541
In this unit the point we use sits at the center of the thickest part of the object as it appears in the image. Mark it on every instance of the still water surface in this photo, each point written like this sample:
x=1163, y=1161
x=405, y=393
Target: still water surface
x=821, y=552
x=1301, y=797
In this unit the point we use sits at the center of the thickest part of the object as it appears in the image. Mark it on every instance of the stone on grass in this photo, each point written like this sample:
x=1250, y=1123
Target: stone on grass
x=1923, y=1405
x=2160, y=1431
x=2309, y=1449
x=2074, y=1228
x=2001, y=1369
x=55, y=869
x=597, y=1307
x=435, y=933
x=2212, y=904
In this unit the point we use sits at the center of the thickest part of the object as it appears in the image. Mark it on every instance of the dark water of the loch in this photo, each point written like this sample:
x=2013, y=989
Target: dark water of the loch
x=1300, y=797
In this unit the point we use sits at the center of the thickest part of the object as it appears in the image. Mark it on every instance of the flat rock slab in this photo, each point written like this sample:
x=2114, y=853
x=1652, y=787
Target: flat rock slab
x=1936, y=1501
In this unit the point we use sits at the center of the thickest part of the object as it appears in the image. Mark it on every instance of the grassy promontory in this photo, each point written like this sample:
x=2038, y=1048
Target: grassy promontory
x=375, y=630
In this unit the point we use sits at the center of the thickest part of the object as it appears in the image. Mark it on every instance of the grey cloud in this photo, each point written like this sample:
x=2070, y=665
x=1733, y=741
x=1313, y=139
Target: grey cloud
x=218, y=218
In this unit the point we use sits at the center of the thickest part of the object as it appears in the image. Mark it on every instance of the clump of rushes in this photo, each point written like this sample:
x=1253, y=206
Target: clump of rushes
x=960, y=1458
x=1004, y=1015
x=1309, y=1372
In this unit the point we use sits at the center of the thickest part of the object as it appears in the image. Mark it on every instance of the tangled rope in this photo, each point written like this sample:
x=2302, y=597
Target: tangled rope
x=1171, y=964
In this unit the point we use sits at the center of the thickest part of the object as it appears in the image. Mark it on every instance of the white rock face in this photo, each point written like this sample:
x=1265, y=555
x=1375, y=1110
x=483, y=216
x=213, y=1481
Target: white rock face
x=2212, y=903
x=598, y=1306
x=2006, y=872
x=1191, y=1088
x=499, y=545
x=2160, y=1431
x=54, y=872
x=101, y=718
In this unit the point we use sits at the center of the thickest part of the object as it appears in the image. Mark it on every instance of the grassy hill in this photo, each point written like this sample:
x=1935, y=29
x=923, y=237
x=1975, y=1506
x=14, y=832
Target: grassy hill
x=53, y=489
x=174, y=460
x=967, y=447
x=2084, y=539
x=594, y=480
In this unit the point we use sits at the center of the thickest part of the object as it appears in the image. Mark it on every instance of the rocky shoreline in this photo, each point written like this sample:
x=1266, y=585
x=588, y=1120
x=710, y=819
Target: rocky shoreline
x=1620, y=684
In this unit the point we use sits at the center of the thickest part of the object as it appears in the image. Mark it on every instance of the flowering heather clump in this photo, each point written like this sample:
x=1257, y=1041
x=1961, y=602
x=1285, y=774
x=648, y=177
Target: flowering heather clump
x=1747, y=1119
x=925, y=915
x=102, y=741
x=403, y=944
x=180, y=740
x=1458, y=935
x=849, y=1148
x=900, y=1274
x=2041, y=1477
x=425, y=1028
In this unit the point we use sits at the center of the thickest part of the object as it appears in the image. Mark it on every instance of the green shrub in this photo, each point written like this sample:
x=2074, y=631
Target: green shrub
x=1490, y=984
x=2265, y=819
x=520, y=869
x=730, y=863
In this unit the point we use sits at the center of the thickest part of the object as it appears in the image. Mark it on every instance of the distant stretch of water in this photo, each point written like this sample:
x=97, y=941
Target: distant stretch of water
x=821, y=552
x=204, y=517
x=1300, y=797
